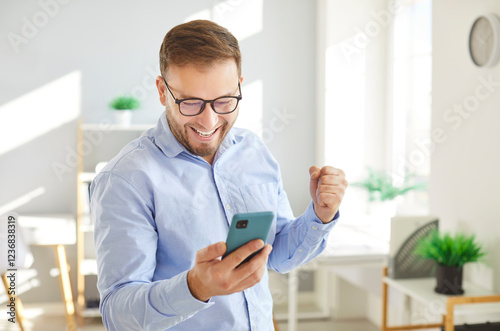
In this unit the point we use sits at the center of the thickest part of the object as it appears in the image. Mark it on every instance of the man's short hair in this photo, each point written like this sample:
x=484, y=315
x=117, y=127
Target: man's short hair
x=200, y=43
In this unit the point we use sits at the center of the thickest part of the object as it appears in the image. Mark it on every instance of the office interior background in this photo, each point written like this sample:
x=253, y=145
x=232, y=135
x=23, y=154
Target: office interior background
x=354, y=84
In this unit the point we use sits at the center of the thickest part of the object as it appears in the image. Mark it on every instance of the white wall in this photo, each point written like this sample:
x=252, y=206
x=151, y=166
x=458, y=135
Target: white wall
x=465, y=181
x=113, y=47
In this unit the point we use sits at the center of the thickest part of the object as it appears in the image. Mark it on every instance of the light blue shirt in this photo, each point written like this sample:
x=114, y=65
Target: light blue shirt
x=155, y=205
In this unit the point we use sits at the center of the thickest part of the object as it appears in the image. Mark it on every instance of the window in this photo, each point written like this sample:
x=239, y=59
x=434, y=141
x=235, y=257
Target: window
x=410, y=99
x=374, y=83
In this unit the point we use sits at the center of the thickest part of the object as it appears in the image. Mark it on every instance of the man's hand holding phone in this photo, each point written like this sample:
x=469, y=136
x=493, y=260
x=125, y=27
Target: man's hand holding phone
x=211, y=276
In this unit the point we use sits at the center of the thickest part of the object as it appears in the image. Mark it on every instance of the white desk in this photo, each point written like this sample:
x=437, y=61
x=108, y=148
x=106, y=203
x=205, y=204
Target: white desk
x=422, y=290
x=353, y=245
x=55, y=231
x=48, y=230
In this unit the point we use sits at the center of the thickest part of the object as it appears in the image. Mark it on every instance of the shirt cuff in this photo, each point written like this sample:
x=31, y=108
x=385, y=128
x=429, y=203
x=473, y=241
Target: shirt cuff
x=173, y=295
x=311, y=214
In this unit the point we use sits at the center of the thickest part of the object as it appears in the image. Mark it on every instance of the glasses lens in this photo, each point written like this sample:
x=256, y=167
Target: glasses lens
x=191, y=107
x=225, y=105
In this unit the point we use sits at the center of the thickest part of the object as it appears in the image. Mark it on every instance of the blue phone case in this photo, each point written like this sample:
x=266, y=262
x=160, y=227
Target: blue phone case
x=257, y=227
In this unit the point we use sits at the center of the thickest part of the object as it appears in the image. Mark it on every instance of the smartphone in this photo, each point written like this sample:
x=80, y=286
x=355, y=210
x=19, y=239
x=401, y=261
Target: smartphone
x=246, y=227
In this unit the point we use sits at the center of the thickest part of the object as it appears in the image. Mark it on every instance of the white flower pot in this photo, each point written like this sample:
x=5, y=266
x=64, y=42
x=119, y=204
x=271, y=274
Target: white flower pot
x=123, y=117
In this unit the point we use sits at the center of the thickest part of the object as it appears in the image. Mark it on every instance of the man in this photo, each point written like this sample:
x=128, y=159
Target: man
x=162, y=207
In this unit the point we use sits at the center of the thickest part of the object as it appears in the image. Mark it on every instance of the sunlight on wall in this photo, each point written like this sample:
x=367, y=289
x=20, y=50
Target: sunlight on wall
x=40, y=111
x=344, y=116
x=251, y=107
x=243, y=18
x=201, y=15
x=345, y=106
x=22, y=200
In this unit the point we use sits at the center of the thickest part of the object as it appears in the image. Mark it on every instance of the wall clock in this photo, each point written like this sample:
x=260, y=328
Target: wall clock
x=484, y=37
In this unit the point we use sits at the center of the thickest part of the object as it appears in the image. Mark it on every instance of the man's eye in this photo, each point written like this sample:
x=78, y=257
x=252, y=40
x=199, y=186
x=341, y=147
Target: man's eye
x=192, y=103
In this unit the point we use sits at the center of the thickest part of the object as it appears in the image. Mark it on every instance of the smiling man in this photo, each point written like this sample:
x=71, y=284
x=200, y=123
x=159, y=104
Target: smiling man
x=163, y=206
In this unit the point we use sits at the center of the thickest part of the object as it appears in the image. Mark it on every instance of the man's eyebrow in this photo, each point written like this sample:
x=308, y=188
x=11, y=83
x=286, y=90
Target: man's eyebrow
x=186, y=96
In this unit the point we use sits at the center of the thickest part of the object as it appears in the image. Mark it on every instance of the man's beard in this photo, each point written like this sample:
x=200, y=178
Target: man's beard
x=201, y=149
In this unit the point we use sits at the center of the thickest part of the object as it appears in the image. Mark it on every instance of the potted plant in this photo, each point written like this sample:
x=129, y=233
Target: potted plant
x=450, y=252
x=123, y=105
x=382, y=191
x=380, y=186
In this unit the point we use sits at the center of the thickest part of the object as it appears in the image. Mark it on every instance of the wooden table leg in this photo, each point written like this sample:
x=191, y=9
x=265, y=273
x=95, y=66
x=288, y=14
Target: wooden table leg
x=445, y=319
x=62, y=264
x=384, y=300
x=19, y=305
x=275, y=324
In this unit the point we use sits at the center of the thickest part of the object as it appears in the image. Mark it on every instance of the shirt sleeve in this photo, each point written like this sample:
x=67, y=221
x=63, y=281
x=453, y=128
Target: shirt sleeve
x=126, y=243
x=298, y=240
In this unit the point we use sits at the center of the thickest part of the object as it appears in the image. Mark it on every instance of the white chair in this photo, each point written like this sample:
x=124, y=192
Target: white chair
x=406, y=231
x=11, y=263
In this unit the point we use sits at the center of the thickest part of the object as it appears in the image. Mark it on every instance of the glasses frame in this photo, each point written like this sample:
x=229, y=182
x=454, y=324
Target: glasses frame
x=211, y=102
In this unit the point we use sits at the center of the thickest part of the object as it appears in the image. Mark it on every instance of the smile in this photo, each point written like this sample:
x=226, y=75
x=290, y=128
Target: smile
x=205, y=134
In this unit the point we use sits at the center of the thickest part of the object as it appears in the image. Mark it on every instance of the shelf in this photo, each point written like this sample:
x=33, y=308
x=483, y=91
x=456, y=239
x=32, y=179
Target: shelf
x=91, y=312
x=86, y=224
x=87, y=227
x=106, y=140
x=87, y=176
x=115, y=127
x=88, y=267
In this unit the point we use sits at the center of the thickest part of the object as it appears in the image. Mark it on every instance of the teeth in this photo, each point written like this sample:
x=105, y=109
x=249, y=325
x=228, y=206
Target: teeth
x=205, y=134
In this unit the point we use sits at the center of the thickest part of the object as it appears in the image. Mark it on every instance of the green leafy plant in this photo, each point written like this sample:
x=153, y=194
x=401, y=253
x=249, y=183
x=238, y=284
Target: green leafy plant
x=380, y=186
x=125, y=103
x=449, y=250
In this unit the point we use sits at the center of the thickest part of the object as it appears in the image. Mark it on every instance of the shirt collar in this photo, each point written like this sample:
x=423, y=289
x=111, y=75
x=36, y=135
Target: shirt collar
x=171, y=147
x=165, y=140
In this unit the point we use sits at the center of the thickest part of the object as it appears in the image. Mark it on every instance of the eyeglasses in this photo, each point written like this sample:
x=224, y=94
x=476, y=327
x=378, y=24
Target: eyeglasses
x=195, y=106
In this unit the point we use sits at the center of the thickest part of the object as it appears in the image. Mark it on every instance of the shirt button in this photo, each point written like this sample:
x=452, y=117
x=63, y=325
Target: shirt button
x=314, y=227
x=228, y=206
x=300, y=250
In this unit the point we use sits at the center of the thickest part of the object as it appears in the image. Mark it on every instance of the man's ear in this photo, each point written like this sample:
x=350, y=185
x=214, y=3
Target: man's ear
x=162, y=90
x=241, y=80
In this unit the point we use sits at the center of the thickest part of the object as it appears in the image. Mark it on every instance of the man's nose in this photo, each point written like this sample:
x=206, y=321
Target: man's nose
x=209, y=118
